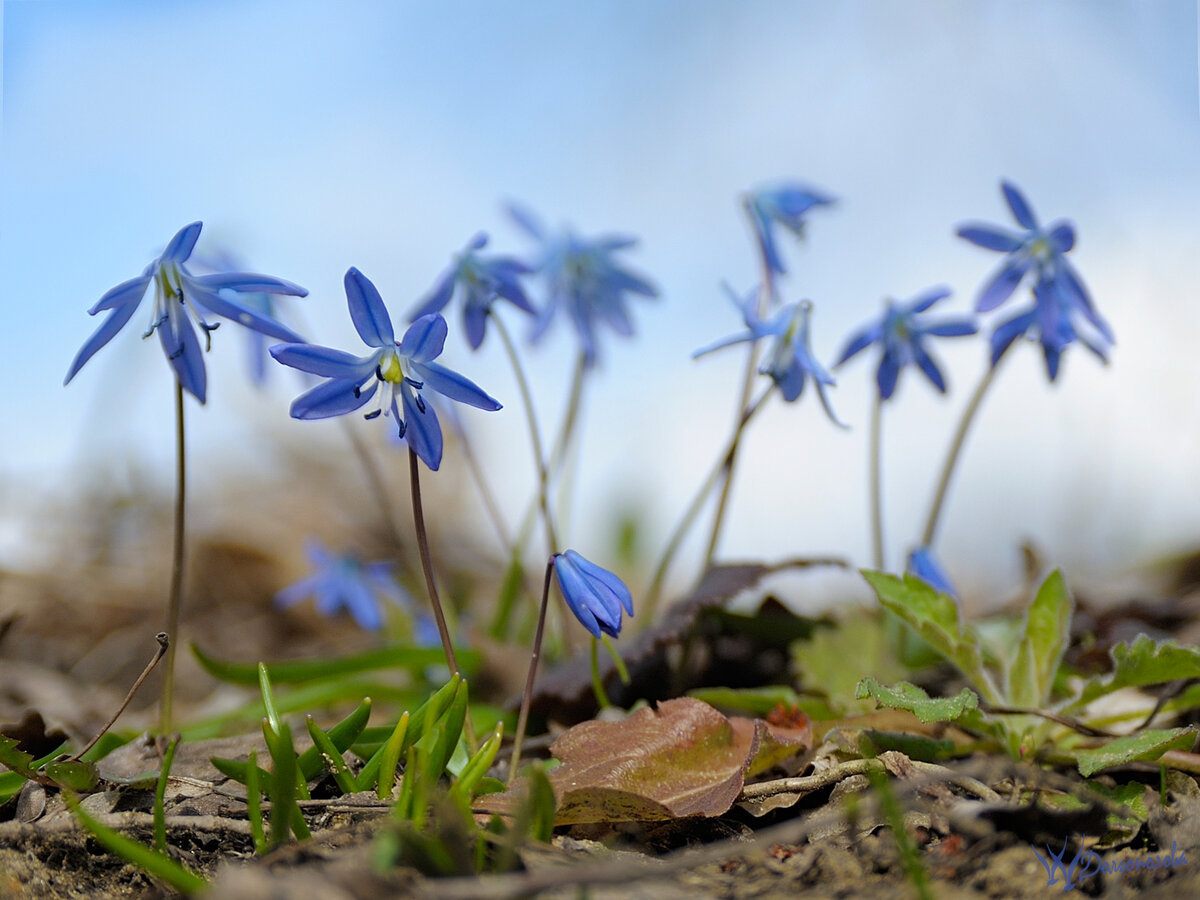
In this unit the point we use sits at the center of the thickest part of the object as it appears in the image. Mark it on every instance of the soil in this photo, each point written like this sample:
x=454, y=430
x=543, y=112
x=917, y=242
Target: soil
x=73, y=639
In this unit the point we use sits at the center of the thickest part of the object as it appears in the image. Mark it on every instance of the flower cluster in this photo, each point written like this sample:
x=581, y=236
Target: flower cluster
x=786, y=205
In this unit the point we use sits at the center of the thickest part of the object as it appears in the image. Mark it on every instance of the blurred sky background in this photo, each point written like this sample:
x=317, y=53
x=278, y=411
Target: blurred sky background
x=312, y=136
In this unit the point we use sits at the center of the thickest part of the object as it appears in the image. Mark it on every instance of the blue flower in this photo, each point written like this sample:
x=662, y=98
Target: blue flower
x=789, y=362
x=395, y=373
x=595, y=595
x=584, y=278
x=480, y=282
x=1060, y=298
x=901, y=333
x=1049, y=320
x=343, y=581
x=178, y=297
x=787, y=205
x=266, y=305
x=924, y=565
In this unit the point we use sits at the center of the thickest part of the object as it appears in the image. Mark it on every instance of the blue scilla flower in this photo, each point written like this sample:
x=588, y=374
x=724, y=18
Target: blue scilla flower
x=180, y=296
x=789, y=361
x=1037, y=252
x=343, y=581
x=266, y=305
x=480, y=281
x=585, y=280
x=1052, y=321
x=595, y=595
x=925, y=565
x=394, y=374
x=901, y=333
x=786, y=205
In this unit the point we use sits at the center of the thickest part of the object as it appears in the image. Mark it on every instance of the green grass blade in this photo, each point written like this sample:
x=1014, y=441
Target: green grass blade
x=254, y=804
x=413, y=659
x=331, y=756
x=342, y=736
x=160, y=797
x=268, y=697
x=157, y=864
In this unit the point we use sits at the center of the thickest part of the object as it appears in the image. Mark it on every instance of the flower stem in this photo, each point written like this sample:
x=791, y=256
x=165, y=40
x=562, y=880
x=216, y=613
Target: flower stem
x=956, y=446
x=374, y=478
x=527, y=697
x=174, y=597
x=876, y=464
x=535, y=437
x=427, y=561
x=654, y=592
x=597, y=682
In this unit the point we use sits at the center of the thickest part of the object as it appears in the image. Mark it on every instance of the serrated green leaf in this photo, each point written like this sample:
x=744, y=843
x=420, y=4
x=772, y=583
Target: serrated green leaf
x=17, y=760
x=1146, y=745
x=1143, y=662
x=1043, y=640
x=906, y=696
x=934, y=616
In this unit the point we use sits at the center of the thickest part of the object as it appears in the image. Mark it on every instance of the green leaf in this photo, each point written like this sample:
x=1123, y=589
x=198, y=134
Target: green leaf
x=254, y=804
x=755, y=701
x=240, y=772
x=17, y=760
x=73, y=774
x=1141, y=663
x=331, y=757
x=934, y=616
x=469, y=779
x=906, y=696
x=268, y=697
x=413, y=659
x=156, y=864
x=870, y=640
x=385, y=761
x=342, y=736
x=1146, y=745
x=1044, y=639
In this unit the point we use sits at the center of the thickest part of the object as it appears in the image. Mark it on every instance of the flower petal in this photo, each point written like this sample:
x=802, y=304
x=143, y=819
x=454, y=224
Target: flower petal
x=367, y=311
x=325, y=361
x=609, y=580
x=1062, y=236
x=1019, y=206
x=421, y=429
x=332, y=398
x=924, y=565
x=185, y=356
x=249, y=283
x=108, y=328
x=450, y=384
x=1008, y=331
x=180, y=247
x=952, y=328
x=236, y=312
x=860, y=341
x=131, y=291
x=1004, y=282
x=886, y=377
x=990, y=237
x=928, y=366
x=927, y=298
x=424, y=339
x=437, y=298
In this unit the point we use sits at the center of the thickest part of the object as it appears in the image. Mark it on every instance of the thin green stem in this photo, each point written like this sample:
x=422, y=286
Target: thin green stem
x=535, y=437
x=414, y=472
x=527, y=697
x=654, y=592
x=175, y=596
x=876, y=464
x=597, y=682
x=956, y=446
x=370, y=469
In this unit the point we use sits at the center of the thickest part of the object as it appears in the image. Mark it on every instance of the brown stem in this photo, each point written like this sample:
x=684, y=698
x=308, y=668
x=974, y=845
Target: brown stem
x=174, y=598
x=427, y=560
x=164, y=644
x=527, y=697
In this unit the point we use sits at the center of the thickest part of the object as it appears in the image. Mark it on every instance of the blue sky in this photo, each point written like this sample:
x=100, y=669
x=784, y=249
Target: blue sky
x=313, y=136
